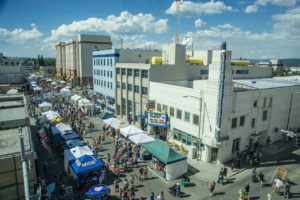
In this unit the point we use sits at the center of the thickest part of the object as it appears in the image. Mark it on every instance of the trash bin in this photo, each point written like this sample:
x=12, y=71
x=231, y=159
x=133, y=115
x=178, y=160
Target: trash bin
x=183, y=181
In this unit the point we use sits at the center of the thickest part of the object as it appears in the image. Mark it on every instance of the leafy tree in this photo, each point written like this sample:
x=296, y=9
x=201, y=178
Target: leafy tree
x=54, y=72
x=63, y=77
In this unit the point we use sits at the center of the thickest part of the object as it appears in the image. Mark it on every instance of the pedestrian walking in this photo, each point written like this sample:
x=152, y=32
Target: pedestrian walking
x=221, y=177
x=131, y=179
x=132, y=192
x=224, y=171
x=241, y=193
x=116, y=185
x=261, y=178
x=177, y=189
x=108, y=158
x=145, y=172
x=141, y=170
x=152, y=196
x=211, y=188
x=287, y=188
x=247, y=189
x=269, y=196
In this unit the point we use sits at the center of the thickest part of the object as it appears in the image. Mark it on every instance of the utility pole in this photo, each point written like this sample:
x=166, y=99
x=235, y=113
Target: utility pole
x=24, y=165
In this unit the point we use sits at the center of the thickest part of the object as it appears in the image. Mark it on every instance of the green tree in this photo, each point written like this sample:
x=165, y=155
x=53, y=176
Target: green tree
x=54, y=72
x=63, y=77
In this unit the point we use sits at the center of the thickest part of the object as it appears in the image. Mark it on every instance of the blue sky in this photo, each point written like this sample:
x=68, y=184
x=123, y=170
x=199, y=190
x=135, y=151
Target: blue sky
x=252, y=28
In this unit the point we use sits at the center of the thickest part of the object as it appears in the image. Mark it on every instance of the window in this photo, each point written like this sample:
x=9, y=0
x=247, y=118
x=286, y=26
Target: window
x=253, y=123
x=178, y=114
x=255, y=103
x=158, y=107
x=196, y=119
x=144, y=73
x=111, y=62
x=118, y=84
x=236, y=145
x=101, y=72
x=110, y=74
x=234, y=123
x=118, y=70
x=104, y=62
x=107, y=73
x=129, y=104
x=270, y=102
x=137, y=89
x=101, y=61
x=242, y=71
x=104, y=83
x=104, y=73
x=123, y=86
x=187, y=116
x=144, y=91
x=137, y=73
x=123, y=106
x=111, y=85
x=123, y=71
x=182, y=136
x=129, y=72
x=94, y=72
x=129, y=87
x=107, y=62
x=171, y=111
x=165, y=108
x=204, y=72
x=242, y=120
x=107, y=84
x=265, y=115
x=101, y=82
x=265, y=102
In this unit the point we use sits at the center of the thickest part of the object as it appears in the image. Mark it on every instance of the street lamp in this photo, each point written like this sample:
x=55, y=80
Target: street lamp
x=200, y=111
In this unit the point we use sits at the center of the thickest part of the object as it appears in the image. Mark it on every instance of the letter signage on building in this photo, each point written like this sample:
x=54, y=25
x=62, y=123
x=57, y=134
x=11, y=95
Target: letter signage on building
x=157, y=119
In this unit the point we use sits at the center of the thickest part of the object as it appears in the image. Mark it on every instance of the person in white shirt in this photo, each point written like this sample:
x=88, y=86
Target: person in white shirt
x=278, y=184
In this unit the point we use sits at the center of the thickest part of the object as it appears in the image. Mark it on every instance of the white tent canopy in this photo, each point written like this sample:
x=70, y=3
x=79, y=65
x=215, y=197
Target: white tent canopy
x=37, y=88
x=113, y=122
x=85, y=102
x=49, y=115
x=76, y=98
x=61, y=128
x=45, y=105
x=140, y=138
x=130, y=130
x=12, y=91
x=65, y=92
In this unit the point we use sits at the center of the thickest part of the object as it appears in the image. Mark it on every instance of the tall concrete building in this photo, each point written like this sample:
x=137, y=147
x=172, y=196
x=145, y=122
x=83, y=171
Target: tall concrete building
x=104, y=71
x=74, y=58
x=9, y=61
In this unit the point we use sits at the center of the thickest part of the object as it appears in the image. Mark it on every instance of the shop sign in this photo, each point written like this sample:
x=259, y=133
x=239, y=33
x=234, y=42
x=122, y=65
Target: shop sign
x=157, y=119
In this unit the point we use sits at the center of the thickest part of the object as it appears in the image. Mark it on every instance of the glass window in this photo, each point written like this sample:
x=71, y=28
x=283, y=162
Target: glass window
x=178, y=114
x=94, y=72
x=175, y=134
x=187, y=116
x=129, y=87
x=111, y=85
x=255, y=103
x=107, y=62
x=165, y=108
x=137, y=89
x=101, y=61
x=270, y=102
x=129, y=72
x=158, y=108
x=104, y=61
x=144, y=90
x=265, y=102
x=265, y=115
x=107, y=73
x=111, y=62
x=242, y=71
x=101, y=82
x=196, y=119
x=118, y=70
x=144, y=73
x=253, y=123
x=104, y=83
x=104, y=73
x=172, y=111
x=101, y=72
x=129, y=104
x=242, y=120
x=123, y=106
x=137, y=73
x=118, y=84
x=204, y=72
x=110, y=74
x=123, y=71
x=123, y=86
x=234, y=122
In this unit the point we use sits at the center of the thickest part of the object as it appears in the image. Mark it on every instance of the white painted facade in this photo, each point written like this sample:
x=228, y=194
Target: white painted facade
x=249, y=113
x=104, y=70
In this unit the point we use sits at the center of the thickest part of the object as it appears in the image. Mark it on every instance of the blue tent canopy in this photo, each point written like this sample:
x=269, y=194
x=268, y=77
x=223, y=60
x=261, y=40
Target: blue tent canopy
x=40, y=99
x=64, y=137
x=70, y=136
x=86, y=163
x=69, y=144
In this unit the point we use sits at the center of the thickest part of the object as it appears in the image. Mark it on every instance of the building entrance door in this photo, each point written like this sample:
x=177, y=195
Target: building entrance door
x=214, y=155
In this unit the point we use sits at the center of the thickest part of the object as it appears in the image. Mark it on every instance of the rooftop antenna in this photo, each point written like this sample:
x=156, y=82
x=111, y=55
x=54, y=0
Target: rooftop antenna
x=178, y=3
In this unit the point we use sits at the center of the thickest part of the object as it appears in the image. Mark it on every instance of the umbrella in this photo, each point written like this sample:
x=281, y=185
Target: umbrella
x=40, y=99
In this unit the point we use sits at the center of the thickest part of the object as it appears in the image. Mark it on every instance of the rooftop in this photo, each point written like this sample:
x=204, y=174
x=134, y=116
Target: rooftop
x=9, y=114
x=10, y=104
x=267, y=83
x=10, y=141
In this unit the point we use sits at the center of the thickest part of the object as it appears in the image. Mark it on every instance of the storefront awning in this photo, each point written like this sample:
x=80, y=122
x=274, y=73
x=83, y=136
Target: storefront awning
x=141, y=116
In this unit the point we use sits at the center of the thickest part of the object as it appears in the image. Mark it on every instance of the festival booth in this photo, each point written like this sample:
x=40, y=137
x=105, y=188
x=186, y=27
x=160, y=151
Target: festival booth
x=85, y=105
x=140, y=138
x=113, y=122
x=175, y=162
x=12, y=91
x=45, y=106
x=69, y=144
x=130, y=130
x=106, y=115
x=83, y=165
x=75, y=98
x=37, y=89
x=65, y=92
x=50, y=115
x=60, y=128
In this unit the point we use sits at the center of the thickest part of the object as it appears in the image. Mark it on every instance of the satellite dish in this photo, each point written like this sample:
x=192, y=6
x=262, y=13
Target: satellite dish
x=187, y=41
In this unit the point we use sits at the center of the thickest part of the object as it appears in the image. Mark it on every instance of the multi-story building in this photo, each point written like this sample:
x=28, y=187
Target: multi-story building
x=74, y=58
x=104, y=71
x=219, y=115
x=10, y=61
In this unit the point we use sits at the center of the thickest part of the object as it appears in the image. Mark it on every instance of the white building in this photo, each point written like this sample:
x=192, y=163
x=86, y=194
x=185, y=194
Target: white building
x=10, y=61
x=220, y=115
x=104, y=70
x=74, y=58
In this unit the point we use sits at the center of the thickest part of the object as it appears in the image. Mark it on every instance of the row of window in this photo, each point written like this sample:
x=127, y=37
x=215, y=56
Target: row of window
x=205, y=72
x=234, y=121
x=103, y=73
x=12, y=63
x=187, y=115
x=103, y=83
x=186, y=138
x=103, y=61
x=129, y=88
x=130, y=72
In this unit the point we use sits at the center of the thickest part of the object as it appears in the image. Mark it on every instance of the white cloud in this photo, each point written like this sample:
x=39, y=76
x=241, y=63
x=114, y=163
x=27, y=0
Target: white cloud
x=195, y=9
x=251, y=9
x=199, y=22
x=20, y=35
x=254, y=8
x=125, y=24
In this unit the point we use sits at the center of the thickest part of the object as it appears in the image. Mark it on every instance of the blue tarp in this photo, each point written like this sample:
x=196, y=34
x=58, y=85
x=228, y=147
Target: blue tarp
x=86, y=163
x=70, y=136
x=69, y=144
